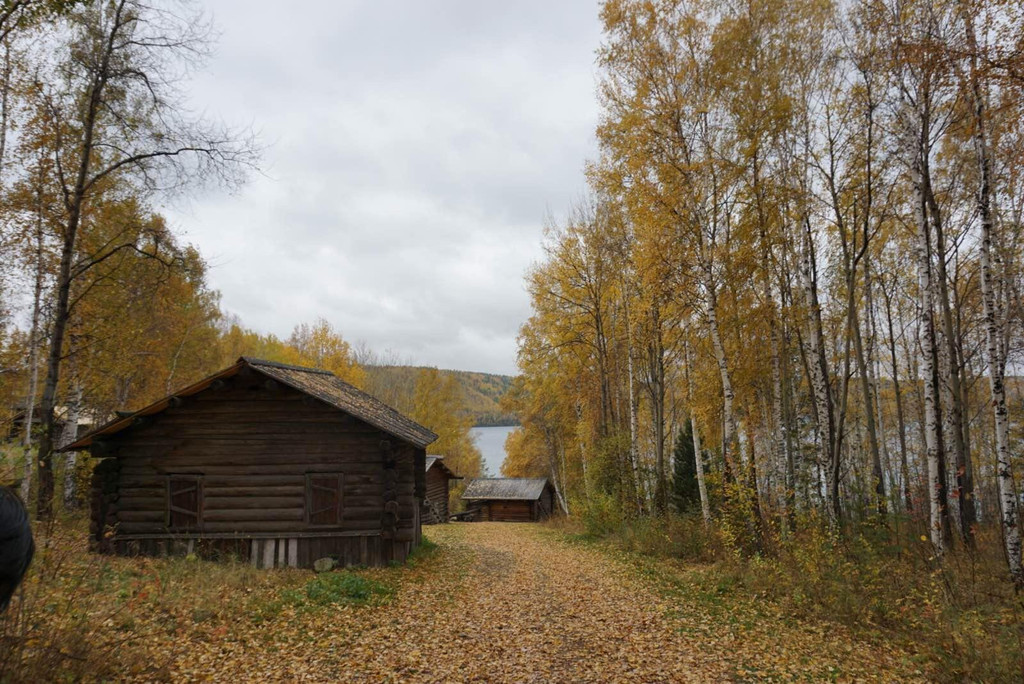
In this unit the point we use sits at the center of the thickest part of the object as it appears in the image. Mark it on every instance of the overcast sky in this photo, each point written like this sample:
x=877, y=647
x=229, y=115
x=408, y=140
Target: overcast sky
x=413, y=152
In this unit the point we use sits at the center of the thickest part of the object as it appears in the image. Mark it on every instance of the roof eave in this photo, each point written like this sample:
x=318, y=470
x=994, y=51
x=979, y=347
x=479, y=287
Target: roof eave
x=119, y=424
x=439, y=461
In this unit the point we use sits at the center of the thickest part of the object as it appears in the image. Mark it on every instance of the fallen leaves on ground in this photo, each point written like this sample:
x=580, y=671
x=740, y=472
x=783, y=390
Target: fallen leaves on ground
x=494, y=602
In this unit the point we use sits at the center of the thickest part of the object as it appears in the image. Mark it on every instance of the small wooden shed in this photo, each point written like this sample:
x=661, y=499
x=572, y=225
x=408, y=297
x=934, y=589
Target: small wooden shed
x=435, y=505
x=276, y=464
x=510, y=499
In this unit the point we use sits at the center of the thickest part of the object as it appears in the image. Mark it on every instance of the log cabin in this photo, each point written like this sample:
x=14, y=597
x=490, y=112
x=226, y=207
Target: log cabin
x=510, y=499
x=435, y=505
x=278, y=465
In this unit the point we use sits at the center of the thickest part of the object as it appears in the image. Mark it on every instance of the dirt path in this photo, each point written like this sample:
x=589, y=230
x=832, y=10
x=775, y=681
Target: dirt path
x=533, y=610
x=514, y=603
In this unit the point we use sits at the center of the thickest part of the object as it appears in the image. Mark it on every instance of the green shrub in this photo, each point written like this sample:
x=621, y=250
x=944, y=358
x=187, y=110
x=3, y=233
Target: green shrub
x=673, y=536
x=600, y=515
x=339, y=587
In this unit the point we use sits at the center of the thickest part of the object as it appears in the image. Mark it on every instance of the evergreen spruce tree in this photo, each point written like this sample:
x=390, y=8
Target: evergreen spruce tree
x=685, y=494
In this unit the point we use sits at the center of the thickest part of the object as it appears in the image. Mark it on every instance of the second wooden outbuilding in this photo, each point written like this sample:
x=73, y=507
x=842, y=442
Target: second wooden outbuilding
x=509, y=499
x=435, y=505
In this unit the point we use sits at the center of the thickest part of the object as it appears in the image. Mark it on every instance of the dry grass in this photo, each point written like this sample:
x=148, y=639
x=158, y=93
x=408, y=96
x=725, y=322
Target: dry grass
x=82, y=616
x=491, y=602
x=958, y=620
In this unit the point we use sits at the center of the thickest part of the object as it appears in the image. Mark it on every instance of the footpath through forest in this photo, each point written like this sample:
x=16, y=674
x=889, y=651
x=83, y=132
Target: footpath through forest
x=504, y=602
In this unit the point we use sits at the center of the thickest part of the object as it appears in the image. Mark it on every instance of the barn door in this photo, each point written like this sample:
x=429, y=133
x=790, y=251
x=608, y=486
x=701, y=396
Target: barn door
x=323, y=498
x=184, y=502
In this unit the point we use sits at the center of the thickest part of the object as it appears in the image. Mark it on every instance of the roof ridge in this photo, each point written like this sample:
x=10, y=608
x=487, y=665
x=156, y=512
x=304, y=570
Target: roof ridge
x=253, y=361
x=385, y=416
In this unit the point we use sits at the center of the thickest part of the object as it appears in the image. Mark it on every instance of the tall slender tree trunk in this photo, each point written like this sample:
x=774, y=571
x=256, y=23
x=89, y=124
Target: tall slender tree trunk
x=44, y=454
x=634, y=409
x=874, y=371
x=578, y=408
x=961, y=456
x=995, y=354
x=705, y=504
x=788, y=435
x=901, y=426
x=932, y=407
x=5, y=101
x=730, y=435
x=877, y=473
x=70, y=433
x=819, y=380
x=61, y=311
x=34, y=342
x=658, y=411
x=564, y=472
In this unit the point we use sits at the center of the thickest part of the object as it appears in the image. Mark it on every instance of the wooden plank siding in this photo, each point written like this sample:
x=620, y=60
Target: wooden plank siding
x=256, y=450
x=508, y=511
x=509, y=499
x=437, y=496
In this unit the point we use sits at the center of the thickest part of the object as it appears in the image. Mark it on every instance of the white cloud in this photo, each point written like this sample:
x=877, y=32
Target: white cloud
x=415, y=149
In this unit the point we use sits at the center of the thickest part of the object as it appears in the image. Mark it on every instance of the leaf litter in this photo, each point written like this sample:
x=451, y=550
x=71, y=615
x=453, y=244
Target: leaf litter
x=491, y=602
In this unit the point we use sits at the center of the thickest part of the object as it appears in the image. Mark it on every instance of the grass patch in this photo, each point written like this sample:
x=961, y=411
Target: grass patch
x=958, y=620
x=340, y=587
x=83, y=616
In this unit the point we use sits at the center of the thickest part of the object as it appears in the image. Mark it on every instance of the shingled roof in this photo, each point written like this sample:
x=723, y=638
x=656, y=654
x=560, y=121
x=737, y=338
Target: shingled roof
x=439, y=460
x=331, y=389
x=315, y=382
x=505, y=489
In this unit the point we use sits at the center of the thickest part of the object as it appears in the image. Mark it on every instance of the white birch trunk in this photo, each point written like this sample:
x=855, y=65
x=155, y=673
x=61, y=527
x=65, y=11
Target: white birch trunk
x=819, y=380
x=583, y=450
x=634, y=429
x=70, y=433
x=995, y=355
x=35, y=338
x=780, y=446
x=561, y=491
x=705, y=505
x=731, y=433
x=927, y=332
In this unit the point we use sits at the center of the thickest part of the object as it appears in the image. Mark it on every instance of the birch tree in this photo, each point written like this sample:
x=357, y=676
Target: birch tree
x=113, y=117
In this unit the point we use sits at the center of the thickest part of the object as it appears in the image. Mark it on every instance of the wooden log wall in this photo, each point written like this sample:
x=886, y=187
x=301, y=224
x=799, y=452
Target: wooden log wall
x=507, y=511
x=436, y=510
x=103, y=504
x=252, y=444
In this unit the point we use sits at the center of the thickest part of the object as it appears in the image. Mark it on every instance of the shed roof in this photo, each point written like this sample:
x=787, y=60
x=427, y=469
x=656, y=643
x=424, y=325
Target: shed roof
x=505, y=488
x=439, y=460
x=315, y=382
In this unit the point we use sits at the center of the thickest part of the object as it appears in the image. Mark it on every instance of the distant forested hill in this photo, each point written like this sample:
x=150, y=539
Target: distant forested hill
x=482, y=391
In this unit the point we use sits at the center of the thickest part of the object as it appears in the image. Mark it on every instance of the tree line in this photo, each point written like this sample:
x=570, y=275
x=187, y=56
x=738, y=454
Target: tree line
x=802, y=239
x=102, y=306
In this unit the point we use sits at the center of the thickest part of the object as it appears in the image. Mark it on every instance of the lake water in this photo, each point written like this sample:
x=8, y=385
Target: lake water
x=491, y=442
